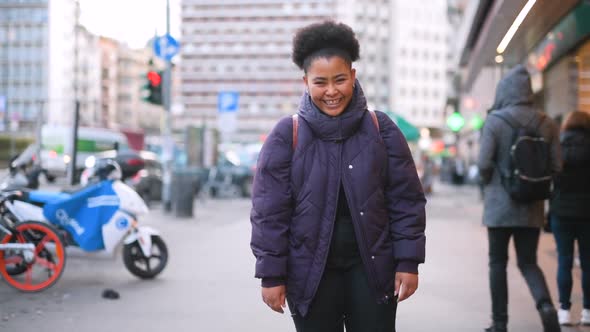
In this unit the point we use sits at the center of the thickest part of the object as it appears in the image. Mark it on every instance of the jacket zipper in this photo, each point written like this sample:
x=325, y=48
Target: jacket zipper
x=325, y=259
x=360, y=234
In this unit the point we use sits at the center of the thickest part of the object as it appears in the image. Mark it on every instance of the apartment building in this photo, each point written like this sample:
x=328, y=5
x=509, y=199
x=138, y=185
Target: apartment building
x=243, y=46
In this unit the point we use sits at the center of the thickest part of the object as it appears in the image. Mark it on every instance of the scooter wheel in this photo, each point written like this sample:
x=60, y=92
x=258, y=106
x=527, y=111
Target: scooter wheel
x=42, y=267
x=146, y=267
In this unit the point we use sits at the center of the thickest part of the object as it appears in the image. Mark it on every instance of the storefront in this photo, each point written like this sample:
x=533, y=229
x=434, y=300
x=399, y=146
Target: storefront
x=560, y=64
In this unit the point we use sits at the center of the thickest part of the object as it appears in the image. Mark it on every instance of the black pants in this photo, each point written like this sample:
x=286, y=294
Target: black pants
x=526, y=241
x=567, y=231
x=345, y=299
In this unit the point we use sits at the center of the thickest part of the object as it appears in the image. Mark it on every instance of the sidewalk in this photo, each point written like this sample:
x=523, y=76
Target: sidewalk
x=453, y=293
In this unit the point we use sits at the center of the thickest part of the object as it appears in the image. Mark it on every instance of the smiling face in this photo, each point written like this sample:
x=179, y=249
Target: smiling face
x=330, y=81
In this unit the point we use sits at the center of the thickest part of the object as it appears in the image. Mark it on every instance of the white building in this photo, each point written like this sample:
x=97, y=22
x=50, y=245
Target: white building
x=38, y=60
x=87, y=77
x=370, y=19
x=419, y=53
x=243, y=46
x=63, y=58
x=404, y=55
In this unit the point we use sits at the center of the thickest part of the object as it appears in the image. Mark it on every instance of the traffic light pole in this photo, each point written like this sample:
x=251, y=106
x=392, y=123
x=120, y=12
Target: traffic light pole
x=167, y=148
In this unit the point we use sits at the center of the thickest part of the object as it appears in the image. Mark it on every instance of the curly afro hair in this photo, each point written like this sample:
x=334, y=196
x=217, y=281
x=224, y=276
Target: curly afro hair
x=325, y=39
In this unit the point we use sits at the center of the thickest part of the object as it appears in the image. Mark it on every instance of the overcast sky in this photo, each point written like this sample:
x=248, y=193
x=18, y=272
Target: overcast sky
x=130, y=21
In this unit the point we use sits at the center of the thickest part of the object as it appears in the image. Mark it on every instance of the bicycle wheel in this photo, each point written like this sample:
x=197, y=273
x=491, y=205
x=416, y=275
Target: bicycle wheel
x=44, y=265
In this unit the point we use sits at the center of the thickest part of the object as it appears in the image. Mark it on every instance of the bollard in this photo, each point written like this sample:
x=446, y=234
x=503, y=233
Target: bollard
x=182, y=194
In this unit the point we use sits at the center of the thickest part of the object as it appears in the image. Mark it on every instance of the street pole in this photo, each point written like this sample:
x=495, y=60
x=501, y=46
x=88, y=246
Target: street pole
x=72, y=169
x=8, y=112
x=38, y=133
x=168, y=149
x=72, y=165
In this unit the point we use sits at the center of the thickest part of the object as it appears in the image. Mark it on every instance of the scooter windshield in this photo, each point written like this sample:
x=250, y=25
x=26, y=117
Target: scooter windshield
x=84, y=213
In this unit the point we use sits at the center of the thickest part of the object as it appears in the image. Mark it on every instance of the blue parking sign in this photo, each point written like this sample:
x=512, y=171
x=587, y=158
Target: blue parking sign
x=227, y=101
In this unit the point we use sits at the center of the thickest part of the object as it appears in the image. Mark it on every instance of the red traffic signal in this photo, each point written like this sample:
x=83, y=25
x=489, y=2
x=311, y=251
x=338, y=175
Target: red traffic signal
x=154, y=78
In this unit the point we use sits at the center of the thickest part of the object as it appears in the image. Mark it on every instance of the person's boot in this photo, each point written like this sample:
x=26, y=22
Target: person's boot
x=549, y=318
x=497, y=327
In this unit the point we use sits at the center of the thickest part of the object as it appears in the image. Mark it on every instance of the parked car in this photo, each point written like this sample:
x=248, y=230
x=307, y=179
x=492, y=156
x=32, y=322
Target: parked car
x=141, y=170
x=234, y=172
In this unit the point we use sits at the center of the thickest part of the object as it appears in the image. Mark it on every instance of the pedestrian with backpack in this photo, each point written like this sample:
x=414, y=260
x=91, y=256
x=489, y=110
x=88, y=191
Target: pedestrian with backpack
x=570, y=213
x=519, y=154
x=338, y=212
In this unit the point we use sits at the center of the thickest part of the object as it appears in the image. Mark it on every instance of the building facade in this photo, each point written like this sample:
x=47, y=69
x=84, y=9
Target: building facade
x=243, y=46
x=123, y=75
x=370, y=19
x=48, y=61
x=419, y=54
x=87, y=76
x=552, y=40
x=404, y=61
x=36, y=38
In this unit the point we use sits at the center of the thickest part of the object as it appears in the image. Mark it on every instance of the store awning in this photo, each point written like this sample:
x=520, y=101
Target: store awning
x=411, y=133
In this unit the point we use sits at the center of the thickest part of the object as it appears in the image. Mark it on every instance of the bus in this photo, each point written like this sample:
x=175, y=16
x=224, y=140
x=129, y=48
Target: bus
x=56, y=146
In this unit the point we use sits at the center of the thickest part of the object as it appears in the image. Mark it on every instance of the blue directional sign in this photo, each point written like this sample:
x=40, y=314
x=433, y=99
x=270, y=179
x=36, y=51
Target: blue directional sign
x=166, y=47
x=2, y=104
x=227, y=101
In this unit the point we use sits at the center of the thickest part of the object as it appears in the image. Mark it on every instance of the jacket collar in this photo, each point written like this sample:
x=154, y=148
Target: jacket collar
x=334, y=128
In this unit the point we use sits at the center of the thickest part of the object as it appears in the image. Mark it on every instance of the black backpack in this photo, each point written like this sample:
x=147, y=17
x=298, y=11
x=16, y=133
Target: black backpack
x=528, y=176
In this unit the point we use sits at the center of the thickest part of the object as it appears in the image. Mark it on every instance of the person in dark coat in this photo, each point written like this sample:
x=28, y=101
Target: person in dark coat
x=338, y=211
x=504, y=217
x=570, y=212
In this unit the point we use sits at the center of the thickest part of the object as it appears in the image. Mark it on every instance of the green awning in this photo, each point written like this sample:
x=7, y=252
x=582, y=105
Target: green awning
x=410, y=132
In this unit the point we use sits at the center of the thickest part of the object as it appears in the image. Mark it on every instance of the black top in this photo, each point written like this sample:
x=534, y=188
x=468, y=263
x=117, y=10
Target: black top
x=344, y=250
x=572, y=186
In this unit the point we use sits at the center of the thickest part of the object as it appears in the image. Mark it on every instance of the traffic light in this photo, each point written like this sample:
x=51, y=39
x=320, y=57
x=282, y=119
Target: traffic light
x=153, y=87
x=455, y=122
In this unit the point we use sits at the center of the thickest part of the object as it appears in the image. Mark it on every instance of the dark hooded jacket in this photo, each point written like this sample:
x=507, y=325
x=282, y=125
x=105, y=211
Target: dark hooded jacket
x=514, y=96
x=572, y=186
x=295, y=199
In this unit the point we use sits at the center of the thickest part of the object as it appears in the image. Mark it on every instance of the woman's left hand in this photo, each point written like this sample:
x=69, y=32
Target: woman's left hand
x=405, y=285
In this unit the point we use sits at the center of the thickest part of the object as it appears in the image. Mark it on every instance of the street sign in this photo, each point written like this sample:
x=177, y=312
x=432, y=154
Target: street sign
x=2, y=104
x=227, y=116
x=227, y=101
x=166, y=47
x=2, y=112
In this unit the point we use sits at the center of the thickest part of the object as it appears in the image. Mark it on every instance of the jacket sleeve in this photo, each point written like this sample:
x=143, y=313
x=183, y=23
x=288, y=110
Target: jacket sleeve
x=272, y=206
x=487, y=152
x=405, y=199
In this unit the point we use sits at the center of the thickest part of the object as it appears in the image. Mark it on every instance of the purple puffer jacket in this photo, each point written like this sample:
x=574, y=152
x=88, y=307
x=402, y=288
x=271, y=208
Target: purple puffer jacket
x=295, y=198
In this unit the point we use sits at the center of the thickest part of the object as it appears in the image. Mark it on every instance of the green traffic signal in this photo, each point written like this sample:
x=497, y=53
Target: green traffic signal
x=455, y=121
x=476, y=122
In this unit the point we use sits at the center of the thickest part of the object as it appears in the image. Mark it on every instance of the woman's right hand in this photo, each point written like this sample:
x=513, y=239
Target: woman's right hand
x=274, y=297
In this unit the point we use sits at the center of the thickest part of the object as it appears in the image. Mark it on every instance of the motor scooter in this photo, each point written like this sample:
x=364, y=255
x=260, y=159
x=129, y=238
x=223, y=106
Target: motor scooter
x=99, y=218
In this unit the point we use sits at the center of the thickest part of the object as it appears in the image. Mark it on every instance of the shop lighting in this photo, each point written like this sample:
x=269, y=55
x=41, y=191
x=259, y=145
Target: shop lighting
x=515, y=25
x=499, y=58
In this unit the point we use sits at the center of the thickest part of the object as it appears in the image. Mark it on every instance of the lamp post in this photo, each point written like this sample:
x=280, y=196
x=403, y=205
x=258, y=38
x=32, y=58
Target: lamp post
x=167, y=149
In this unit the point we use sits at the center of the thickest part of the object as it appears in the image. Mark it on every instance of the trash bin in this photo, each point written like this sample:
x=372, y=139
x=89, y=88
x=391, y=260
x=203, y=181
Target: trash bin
x=182, y=194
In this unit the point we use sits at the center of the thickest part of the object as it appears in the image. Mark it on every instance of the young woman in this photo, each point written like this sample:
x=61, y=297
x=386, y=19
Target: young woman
x=570, y=212
x=338, y=210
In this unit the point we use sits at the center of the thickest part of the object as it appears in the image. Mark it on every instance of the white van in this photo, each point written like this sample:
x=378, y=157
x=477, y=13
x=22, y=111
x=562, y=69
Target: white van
x=56, y=146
